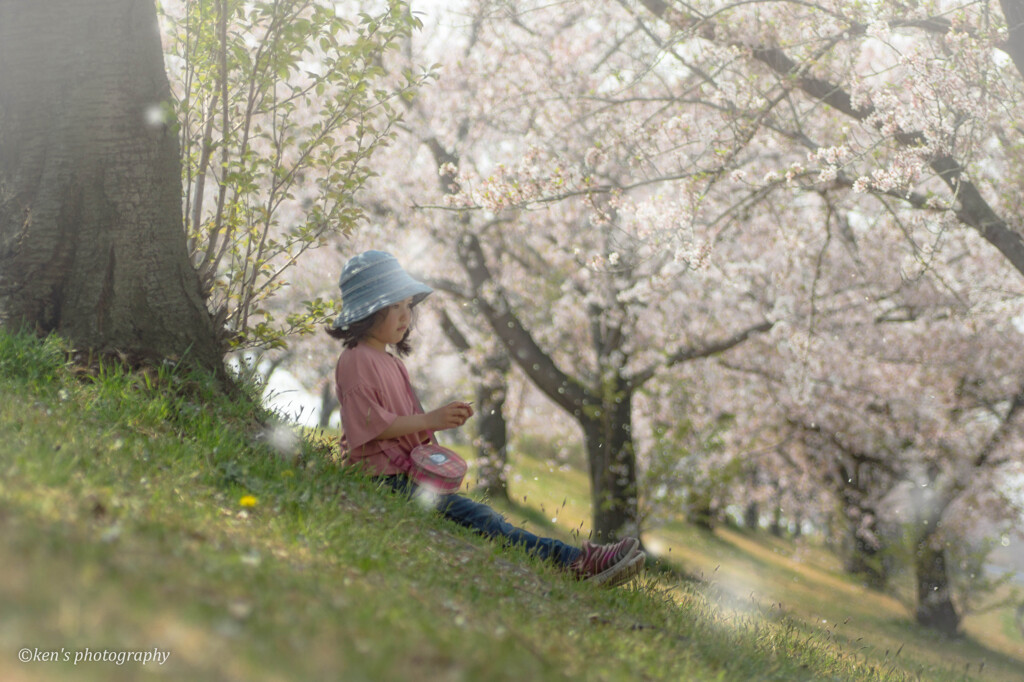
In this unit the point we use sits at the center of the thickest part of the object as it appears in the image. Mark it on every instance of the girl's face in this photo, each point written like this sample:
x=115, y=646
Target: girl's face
x=390, y=328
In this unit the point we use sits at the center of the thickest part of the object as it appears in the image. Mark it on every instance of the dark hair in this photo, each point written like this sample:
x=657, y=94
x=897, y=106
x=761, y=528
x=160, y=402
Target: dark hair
x=358, y=330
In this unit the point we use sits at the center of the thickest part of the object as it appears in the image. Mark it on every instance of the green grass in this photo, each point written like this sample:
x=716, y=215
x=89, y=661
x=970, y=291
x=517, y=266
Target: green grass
x=122, y=528
x=792, y=580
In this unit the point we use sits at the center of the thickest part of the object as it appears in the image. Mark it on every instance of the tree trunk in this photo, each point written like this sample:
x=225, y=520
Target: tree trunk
x=702, y=514
x=328, y=404
x=775, y=527
x=612, y=460
x=491, y=379
x=1013, y=10
x=935, y=607
x=752, y=516
x=91, y=238
x=492, y=430
x=863, y=559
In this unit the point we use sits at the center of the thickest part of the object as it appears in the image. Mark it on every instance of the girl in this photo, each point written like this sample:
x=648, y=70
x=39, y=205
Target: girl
x=382, y=419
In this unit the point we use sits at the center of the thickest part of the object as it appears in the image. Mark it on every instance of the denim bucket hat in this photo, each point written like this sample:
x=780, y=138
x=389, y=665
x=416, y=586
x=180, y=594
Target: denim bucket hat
x=371, y=281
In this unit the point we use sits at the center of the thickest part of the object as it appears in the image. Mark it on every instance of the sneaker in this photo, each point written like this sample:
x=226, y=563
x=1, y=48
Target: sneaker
x=609, y=565
x=628, y=572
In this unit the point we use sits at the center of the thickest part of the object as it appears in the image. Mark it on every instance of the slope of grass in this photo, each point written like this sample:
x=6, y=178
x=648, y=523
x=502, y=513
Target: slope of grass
x=151, y=512
x=749, y=573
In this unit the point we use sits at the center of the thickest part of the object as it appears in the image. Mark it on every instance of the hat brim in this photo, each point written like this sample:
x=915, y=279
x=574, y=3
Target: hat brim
x=408, y=288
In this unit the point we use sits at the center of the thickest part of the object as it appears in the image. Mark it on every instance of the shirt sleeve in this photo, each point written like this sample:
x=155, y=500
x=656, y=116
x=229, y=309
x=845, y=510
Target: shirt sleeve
x=363, y=416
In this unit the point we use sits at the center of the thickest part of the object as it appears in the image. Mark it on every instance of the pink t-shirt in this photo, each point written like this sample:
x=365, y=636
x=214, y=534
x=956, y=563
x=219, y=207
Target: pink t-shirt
x=373, y=389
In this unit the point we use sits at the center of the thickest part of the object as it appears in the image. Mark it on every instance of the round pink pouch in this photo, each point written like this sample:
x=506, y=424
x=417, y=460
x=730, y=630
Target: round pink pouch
x=437, y=468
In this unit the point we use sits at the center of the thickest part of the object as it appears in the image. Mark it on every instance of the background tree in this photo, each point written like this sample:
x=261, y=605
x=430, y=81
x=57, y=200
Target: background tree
x=924, y=95
x=489, y=371
x=559, y=288
x=804, y=130
x=908, y=413
x=636, y=185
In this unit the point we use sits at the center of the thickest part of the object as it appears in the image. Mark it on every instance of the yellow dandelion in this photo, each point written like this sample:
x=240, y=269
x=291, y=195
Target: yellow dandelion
x=248, y=501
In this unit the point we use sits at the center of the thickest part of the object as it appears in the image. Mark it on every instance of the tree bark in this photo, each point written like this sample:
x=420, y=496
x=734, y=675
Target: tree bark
x=491, y=379
x=863, y=559
x=775, y=527
x=752, y=516
x=935, y=607
x=92, y=244
x=492, y=429
x=611, y=457
x=328, y=404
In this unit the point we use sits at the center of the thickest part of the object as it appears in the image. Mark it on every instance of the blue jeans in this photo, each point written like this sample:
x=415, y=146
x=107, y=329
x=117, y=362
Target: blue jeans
x=489, y=523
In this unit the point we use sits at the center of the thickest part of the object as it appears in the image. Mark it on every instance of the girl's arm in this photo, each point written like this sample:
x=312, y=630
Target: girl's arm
x=450, y=416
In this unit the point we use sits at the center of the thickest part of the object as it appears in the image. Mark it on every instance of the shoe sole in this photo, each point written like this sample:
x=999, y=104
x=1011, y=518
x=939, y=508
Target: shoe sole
x=622, y=572
x=632, y=570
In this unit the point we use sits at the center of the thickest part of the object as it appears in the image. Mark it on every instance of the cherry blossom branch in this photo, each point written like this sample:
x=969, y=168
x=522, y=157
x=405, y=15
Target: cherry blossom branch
x=452, y=331
x=563, y=389
x=448, y=286
x=973, y=209
x=854, y=454
x=700, y=351
x=984, y=456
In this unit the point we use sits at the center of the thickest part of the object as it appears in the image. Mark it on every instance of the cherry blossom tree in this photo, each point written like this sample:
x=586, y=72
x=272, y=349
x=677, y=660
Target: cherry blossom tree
x=585, y=295
x=914, y=428
x=749, y=141
x=912, y=107
x=489, y=371
x=920, y=92
x=777, y=240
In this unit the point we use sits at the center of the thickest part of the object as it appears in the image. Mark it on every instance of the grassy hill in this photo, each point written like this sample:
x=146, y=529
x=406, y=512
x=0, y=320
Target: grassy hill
x=779, y=580
x=153, y=513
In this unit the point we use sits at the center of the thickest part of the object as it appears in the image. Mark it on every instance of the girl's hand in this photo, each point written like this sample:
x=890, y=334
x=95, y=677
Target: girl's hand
x=450, y=416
